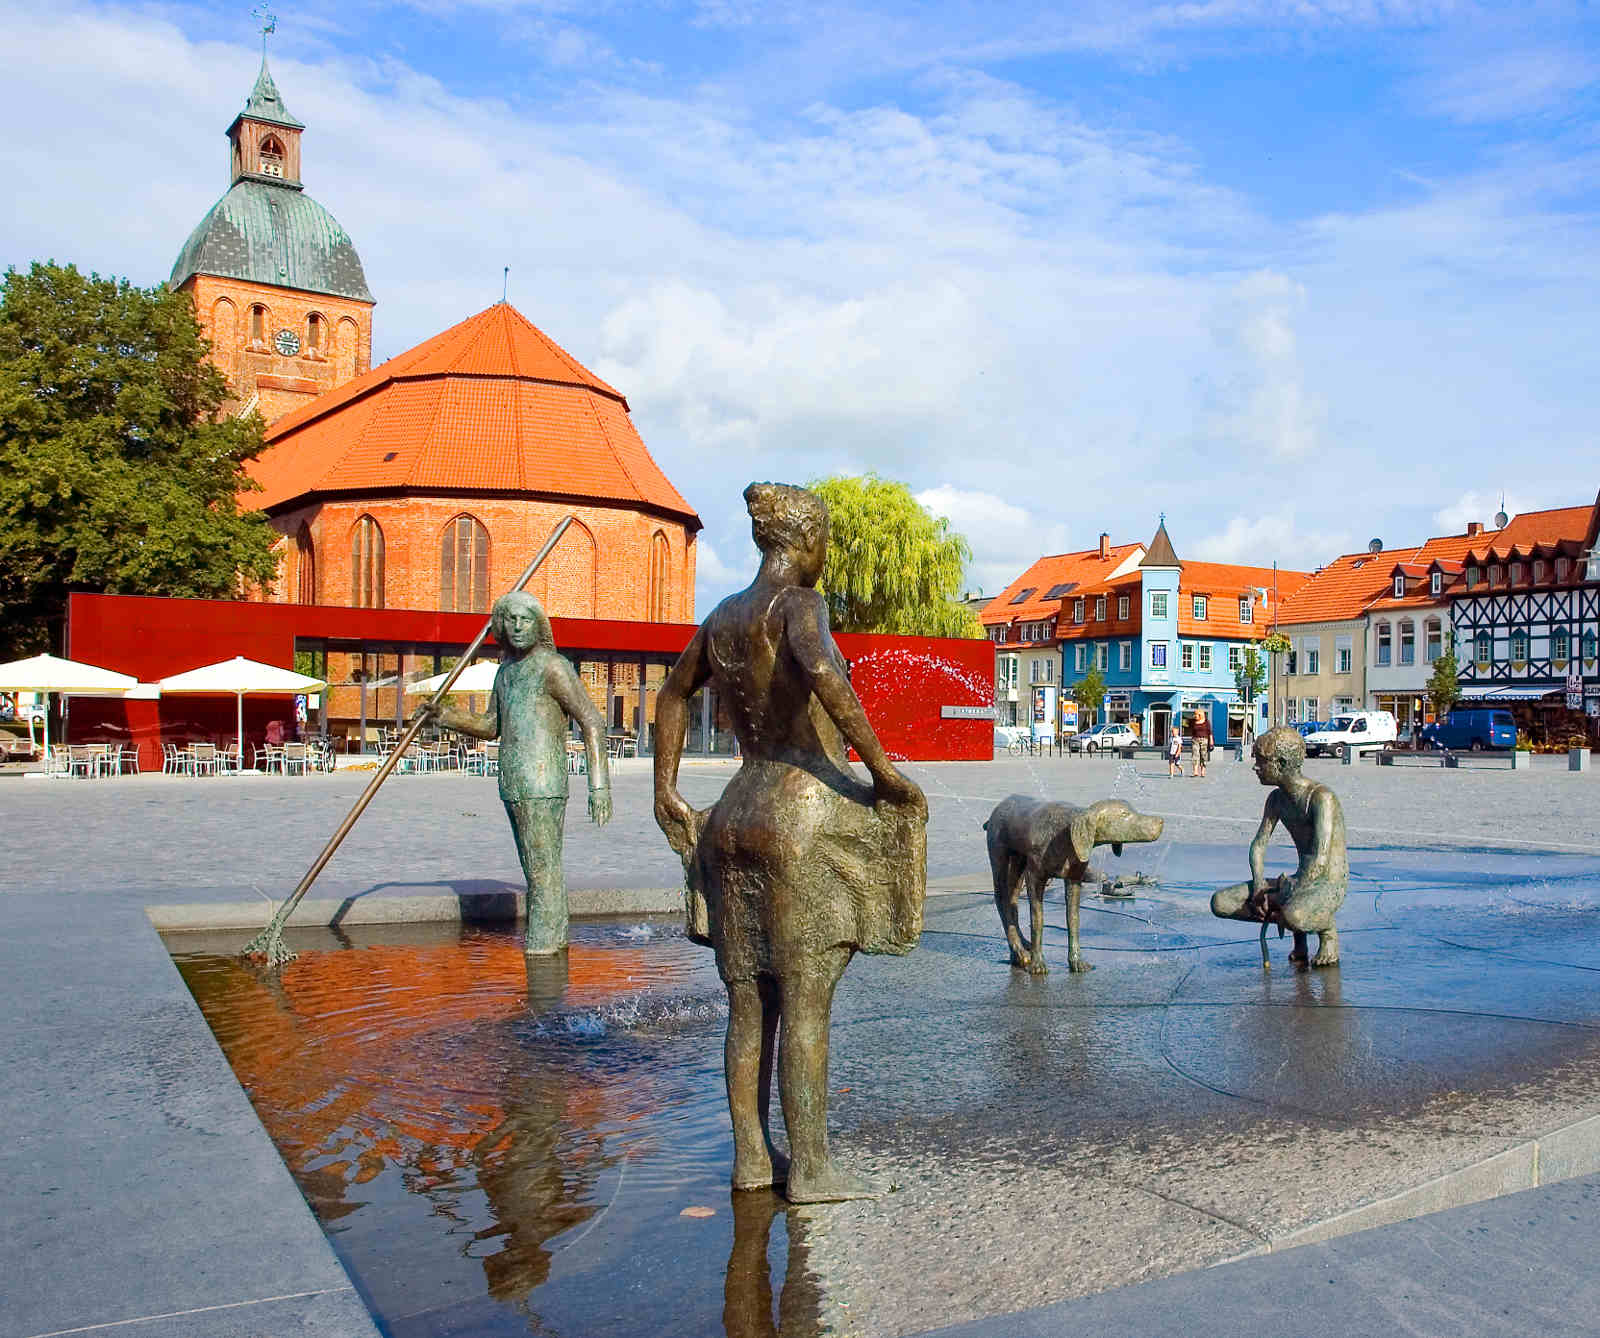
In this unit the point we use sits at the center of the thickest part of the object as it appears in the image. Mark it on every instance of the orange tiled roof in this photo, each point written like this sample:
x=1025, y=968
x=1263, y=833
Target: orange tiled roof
x=489, y=405
x=1224, y=583
x=1046, y=574
x=1129, y=584
x=1343, y=589
x=1534, y=529
x=1447, y=551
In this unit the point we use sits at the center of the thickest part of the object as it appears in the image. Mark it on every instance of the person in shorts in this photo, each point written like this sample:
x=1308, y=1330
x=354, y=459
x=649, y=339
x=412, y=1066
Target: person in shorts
x=1174, y=753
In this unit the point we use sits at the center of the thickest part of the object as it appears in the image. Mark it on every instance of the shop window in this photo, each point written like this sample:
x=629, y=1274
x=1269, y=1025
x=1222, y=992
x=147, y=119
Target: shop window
x=464, y=567
x=366, y=564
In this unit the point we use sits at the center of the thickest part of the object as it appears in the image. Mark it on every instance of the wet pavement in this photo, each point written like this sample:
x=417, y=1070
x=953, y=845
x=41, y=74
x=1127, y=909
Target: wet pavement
x=494, y=1152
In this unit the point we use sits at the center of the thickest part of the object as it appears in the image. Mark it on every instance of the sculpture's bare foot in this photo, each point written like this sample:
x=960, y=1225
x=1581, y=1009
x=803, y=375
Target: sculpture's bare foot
x=832, y=1185
x=1037, y=966
x=1327, y=949
x=764, y=1170
x=1078, y=965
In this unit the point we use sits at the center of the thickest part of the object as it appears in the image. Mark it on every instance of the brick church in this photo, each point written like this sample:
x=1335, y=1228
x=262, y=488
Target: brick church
x=426, y=482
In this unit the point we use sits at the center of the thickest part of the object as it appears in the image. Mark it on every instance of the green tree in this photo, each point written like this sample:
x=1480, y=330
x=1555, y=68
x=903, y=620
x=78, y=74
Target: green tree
x=1444, y=685
x=117, y=472
x=892, y=565
x=1089, y=692
x=1251, y=675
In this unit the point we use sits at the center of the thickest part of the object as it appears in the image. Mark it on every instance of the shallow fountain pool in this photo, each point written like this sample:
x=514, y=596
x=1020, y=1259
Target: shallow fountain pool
x=460, y=1119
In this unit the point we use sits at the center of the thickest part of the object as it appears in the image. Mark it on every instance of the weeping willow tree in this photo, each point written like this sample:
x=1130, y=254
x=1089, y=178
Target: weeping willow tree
x=893, y=566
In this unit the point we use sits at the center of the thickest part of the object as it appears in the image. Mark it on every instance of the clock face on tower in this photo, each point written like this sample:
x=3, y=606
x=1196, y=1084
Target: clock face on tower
x=287, y=342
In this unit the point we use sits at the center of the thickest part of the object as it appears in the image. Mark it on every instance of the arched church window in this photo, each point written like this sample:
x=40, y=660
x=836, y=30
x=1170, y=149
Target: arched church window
x=658, y=597
x=258, y=324
x=366, y=564
x=272, y=156
x=464, y=566
x=316, y=333
x=305, y=566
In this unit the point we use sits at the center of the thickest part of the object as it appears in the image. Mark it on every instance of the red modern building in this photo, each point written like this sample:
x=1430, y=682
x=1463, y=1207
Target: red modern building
x=906, y=684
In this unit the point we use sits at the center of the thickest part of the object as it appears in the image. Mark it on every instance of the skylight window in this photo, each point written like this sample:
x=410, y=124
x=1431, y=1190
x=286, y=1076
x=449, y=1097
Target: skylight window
x=1056, y=591
x=1023, y=596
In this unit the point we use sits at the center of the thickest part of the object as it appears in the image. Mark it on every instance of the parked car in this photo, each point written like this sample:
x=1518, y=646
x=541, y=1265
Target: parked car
x=1113, y=734
x=1309, y=727
x=1474, y=728
x=1353, y=732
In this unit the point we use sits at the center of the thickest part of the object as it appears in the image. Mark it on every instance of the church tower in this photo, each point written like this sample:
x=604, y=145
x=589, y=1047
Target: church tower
x=277, y=285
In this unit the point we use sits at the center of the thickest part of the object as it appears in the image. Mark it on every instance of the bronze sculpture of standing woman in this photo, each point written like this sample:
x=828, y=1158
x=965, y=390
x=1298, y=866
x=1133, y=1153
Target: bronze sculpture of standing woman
x=535, y=693
x=799, y=864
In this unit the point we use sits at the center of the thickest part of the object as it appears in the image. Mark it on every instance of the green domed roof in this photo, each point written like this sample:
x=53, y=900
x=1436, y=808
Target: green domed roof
x=272, y=234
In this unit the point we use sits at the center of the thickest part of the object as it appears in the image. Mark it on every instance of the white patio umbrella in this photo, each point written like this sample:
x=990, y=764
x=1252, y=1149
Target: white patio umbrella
x=477, y=677
x=240, y=678
x=50, y=673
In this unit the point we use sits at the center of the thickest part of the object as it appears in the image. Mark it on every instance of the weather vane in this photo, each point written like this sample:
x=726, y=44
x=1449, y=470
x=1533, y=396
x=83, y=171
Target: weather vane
x=269, y=24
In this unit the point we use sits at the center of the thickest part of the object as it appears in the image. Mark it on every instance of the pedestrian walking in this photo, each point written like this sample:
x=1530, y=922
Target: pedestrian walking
x=1200, y=741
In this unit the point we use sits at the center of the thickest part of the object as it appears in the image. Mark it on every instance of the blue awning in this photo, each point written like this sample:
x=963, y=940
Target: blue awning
x=1509, y=694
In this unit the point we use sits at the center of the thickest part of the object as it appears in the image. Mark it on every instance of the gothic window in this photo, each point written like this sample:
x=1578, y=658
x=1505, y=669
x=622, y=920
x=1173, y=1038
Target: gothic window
x=1433, y=639
x=272, y=156
x=1519, y=644
x=305, y=567
x=1408, y=642
x=657, y=598
x=1483, y=646
x=464, y=567
x=366, y=564
x=1385, y=643
x=316, y=329
x=258, y=324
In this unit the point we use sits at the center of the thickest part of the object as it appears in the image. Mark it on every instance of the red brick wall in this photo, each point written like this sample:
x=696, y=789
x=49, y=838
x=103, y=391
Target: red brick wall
x=222, y=306
x=600, y=569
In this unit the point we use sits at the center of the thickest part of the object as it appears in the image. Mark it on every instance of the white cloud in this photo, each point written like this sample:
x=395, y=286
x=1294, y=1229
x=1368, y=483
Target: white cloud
x=714, y=578
x=1509, y=84
x=1274, y=536
x=1482, y=506
x=1267, y=406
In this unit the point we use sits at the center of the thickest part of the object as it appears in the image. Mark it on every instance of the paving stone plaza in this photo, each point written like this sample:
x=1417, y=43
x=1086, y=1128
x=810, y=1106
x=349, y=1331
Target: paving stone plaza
x=1408, y=1143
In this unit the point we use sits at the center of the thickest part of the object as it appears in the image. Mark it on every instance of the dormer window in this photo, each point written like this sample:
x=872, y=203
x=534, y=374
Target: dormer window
x=1562, y=568
x=1077, y=610
x=1472, y=577
x=1538, y=571
x=272, y=156
x=1247, y=609
x=1399, y=586
x=1516, y=573
x=1494, y=573
x=1436, y=583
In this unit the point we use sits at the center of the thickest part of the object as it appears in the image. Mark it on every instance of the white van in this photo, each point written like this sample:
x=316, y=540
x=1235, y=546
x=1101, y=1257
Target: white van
x=1353, y=732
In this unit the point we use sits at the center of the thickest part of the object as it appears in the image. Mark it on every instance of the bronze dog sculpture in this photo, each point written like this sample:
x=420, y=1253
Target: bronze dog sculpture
x=1049, y=840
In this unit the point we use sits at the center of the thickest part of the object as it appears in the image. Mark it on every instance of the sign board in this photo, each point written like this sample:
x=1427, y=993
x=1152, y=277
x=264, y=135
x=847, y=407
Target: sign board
x=1069, y=715
x=1574, y=692
x=966, y=713
x=1044, y=710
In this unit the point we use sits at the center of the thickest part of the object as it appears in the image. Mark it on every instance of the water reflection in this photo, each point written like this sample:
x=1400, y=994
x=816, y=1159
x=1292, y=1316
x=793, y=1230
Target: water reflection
x=502, y=1147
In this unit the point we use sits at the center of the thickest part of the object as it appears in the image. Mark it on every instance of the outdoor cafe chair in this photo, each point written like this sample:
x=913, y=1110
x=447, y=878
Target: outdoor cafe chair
x=127, y=759
x=295, y=759
x=84, y=759
x=173, y=762
x=203, y=759
x=58, y=761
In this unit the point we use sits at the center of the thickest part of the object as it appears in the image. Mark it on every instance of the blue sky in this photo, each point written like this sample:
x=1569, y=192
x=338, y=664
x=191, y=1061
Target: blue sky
x=1297, y=273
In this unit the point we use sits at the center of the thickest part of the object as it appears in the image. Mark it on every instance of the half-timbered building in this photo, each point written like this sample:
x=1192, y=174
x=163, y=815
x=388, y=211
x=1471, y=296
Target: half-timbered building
x=1525, y=606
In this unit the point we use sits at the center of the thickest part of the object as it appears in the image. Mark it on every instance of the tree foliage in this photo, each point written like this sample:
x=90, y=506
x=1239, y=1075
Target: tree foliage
x=117, y=473
x=892, y=565
x=1251, y=675
x=1089, y=691
x=1444, y=684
